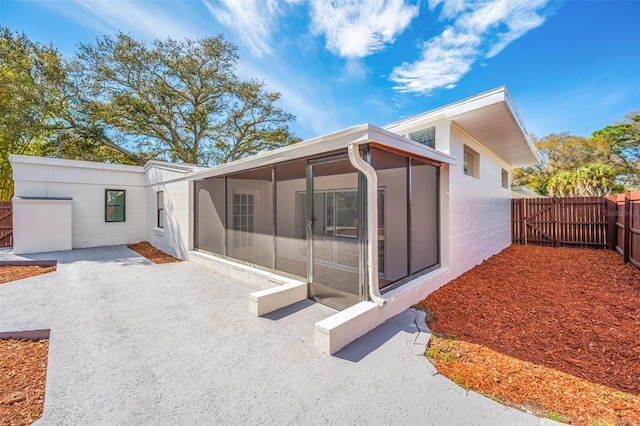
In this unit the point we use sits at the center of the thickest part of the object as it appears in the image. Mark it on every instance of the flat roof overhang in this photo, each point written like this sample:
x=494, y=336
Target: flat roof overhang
x=491, y=118
x=361, y=134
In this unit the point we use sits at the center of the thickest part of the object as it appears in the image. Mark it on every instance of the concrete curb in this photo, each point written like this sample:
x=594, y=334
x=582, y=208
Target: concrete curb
x=423, y=334
x=26, y=334
x=28, y=263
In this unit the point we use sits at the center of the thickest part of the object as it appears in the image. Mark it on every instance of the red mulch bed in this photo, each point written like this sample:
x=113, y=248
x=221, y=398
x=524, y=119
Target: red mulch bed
x=23, y=370
x=574, y=310
x=12, y=273
x=153, y=254
x=533, y=318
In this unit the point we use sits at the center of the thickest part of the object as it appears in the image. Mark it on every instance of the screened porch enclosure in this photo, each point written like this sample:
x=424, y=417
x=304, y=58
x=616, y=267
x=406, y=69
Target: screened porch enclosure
x=264, y=217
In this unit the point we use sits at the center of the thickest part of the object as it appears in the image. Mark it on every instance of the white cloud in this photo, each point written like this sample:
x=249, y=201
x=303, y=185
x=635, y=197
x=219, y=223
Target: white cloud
x=480, y=30
x=358, y=28
x=252, y=20
x=450, y=8
x=148, y=19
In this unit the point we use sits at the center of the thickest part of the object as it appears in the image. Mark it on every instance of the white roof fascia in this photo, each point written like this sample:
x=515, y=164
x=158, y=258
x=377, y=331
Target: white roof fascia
x=520, y=123
x=478, y=101
x=400, y=143
x=361, y=134
x=174, y=167
x=526, y=191
x=500, y=94
x=46, y=161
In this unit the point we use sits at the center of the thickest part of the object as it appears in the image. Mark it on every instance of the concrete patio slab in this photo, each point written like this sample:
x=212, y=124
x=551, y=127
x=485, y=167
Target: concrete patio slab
x=137, y=343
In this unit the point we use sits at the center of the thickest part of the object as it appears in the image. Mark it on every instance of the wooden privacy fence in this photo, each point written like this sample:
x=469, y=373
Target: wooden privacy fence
x=611, y=222
x=627, y=225
x=579, y=221
x=6, y=225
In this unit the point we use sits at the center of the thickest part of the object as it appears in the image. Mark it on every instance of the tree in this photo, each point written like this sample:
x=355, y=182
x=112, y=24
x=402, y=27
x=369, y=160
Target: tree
x=253, y=124
x=37, y=115
x=593, y=180
x=176, y=100
x=28, y=82
x=621, y=142
x=609, y=161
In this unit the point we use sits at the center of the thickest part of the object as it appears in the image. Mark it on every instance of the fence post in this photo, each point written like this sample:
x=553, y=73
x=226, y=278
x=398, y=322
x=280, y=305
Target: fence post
x=525, y=213
x=611, y=213
x=626, y=234
x=555, y=214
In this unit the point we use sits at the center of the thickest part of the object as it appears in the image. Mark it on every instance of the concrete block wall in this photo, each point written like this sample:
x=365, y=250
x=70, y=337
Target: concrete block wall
x=479, y=208
x=176, y=235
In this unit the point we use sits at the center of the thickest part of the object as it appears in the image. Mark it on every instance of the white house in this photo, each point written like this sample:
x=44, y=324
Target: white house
x=367, y=220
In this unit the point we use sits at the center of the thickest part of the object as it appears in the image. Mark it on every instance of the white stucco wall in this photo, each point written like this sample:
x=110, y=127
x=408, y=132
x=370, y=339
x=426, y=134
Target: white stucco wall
x=85, y=182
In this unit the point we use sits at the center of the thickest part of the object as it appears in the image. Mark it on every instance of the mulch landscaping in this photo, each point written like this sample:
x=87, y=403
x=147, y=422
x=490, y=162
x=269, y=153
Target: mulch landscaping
x=23, y=372
x=153, y=254
x=12, y=273
x=554, y=330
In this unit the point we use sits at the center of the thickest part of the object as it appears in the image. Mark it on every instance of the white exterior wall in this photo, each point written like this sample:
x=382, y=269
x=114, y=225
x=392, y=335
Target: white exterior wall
x=175, y=237
x=85, y=182
x=41, y=225
x=479, y=208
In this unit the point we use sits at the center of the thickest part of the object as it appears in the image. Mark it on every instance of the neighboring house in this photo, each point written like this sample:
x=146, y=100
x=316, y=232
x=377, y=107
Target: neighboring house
x=368, y=220
x=524, y=192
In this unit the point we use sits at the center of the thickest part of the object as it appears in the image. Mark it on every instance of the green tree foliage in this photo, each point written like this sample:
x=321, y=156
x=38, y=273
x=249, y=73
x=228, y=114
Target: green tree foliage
x=26, y=71
x=177, y=100
x=592, y=180
x=122, y=101
x=621, y=142
x=36, y=117
x=607, y=162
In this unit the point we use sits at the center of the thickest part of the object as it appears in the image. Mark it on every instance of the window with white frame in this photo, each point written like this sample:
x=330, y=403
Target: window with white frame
x=425, y=136
x=505, y=179
x=471, y=165
x=160, y=209
x=243, y=219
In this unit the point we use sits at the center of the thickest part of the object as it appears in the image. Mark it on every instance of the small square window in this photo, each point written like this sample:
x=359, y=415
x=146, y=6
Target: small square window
x=471, y=166
x=425, y=136
x=505, y=179
x=160, y=208
x=114, y=210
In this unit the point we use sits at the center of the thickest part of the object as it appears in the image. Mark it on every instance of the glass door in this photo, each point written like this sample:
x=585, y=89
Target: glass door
x=335, y=228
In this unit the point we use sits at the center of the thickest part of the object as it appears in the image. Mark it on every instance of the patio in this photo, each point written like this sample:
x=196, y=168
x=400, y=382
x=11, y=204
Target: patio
x=138, y=343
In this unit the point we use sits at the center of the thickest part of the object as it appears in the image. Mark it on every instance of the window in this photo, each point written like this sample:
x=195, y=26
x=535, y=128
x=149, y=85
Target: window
x=425, y=136
x=243, y=216
x=160, y=208
x=505, y=179
x=471, y=162
x=114, y=210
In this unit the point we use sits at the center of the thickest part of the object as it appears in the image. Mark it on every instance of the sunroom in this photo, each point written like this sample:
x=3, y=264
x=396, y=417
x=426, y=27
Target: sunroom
x=353, y=214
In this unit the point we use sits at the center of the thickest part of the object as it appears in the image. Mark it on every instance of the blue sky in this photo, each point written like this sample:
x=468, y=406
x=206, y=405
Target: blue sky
x=570, y=65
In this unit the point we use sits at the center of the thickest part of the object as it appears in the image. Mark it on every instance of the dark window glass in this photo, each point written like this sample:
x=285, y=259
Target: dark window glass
x=114, y=205
x=160, y=207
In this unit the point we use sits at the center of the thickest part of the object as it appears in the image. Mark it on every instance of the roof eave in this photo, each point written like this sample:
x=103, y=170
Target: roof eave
x=362, y=133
